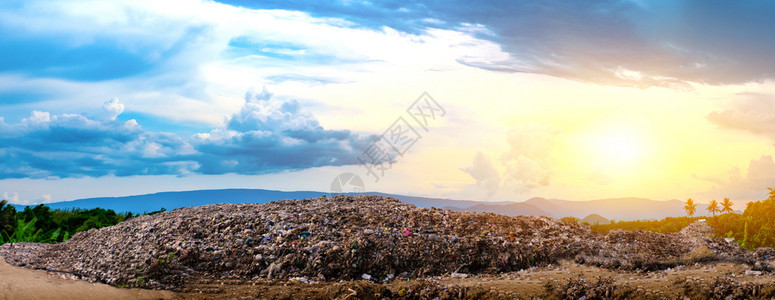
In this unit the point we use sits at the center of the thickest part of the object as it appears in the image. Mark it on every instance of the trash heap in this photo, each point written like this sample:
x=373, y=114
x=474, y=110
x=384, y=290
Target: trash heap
x=725, y=287
x=648, y=251
x=764, y=253
x=729, y=251
x=324, y=239
x=582, y=287
x=643, y=250
x=697, y=233
x=377, y=239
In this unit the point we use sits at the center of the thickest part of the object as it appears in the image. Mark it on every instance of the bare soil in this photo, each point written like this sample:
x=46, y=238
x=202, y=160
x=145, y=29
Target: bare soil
x=23, y=283
x=531, y=283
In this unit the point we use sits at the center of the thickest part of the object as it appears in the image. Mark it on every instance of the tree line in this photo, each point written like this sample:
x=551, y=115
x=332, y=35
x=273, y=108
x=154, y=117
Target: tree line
x=753, y=228
x=45, y=225
x=666, y=225
x=714, y=207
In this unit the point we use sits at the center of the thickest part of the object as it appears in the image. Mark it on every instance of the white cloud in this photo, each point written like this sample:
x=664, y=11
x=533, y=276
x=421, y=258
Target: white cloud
x=12, y=198
x=266, y=136
x=754, y=113
x=752, y=185
x=484, y=172
x=529, y=159
x=194, y=74
x=261, y=112
x=761, y=173
x=527, y=162
x=111, y=109
x=37, y=118
x=45, y=198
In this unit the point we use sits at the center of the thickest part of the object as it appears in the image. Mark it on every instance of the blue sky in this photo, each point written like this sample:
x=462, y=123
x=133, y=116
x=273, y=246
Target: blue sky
x=287, y=94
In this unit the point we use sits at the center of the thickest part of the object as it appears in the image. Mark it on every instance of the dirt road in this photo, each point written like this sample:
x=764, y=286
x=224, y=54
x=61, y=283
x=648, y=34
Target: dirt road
x=22, y=283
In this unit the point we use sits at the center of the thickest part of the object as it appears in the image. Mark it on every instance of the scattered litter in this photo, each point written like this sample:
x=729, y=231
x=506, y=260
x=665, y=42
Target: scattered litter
x=753, y=273
x=299, y=279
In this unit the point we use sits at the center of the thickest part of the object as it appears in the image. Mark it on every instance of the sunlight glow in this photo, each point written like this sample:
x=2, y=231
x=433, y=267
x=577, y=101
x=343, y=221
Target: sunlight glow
x=621, y=148
x=618, y=146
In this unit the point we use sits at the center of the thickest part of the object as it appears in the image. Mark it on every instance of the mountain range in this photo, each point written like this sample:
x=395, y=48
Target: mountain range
x=620, y=209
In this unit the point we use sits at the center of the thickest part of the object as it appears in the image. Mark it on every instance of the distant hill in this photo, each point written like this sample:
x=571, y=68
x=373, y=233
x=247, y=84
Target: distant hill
x=620, y=209
x=595, y=219
x=624, y=209
x=511, y=209
x=173, y=200
x=438, y=202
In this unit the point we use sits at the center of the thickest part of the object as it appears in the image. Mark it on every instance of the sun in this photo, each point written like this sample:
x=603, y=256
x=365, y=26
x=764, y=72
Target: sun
x=618, y=146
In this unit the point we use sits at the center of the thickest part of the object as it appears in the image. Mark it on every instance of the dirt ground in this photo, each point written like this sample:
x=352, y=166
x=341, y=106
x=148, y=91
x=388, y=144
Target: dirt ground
x=22, y=283
x=518, y=285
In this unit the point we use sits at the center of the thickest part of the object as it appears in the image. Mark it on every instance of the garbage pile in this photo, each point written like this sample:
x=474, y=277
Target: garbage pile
x=764, y=253
x=336, y=238
x=696, y=233
x=642, y=250
x=377, y=239
x=725, y=287
x=648, y=251
x=583, y=288
x=19, y=254
x=418, y=289
x=729, y=251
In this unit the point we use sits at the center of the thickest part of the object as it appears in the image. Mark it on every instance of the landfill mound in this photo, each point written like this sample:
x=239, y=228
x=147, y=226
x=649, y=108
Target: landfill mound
x=340, y=238
x=696, y=233
x=335, y=238
x=649, y=251
x=630, y=250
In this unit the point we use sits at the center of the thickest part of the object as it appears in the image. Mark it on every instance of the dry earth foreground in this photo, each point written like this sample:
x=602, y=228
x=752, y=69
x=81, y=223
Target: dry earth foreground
x=377, y=247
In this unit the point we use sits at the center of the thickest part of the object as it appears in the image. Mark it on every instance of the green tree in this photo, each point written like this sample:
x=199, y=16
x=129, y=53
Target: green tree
x=7, y=218
x=690, y=207
x=759, y=217
x=570, y=220
x=713, y=208
x=726, y=206
x=46, y=225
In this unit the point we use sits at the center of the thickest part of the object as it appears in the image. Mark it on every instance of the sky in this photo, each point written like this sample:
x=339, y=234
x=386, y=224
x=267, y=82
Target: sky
x=480, y=100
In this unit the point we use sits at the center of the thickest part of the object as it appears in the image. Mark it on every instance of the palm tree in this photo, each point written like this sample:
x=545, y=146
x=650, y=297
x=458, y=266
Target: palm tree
x=690, y=207
x=713, y=207
x=727, y=206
